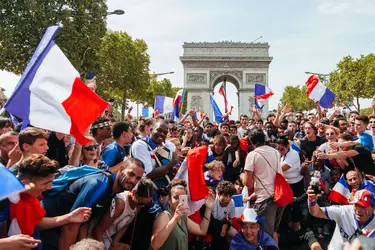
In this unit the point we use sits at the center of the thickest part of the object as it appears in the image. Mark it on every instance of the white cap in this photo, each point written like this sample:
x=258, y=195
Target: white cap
x=249, y=215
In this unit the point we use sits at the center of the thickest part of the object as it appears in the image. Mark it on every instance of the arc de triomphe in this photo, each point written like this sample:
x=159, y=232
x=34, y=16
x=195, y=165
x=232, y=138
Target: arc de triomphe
x=207, y=64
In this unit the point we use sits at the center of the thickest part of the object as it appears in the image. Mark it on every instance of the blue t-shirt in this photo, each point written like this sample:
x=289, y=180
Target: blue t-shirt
x=367, y=141
x=113, y=154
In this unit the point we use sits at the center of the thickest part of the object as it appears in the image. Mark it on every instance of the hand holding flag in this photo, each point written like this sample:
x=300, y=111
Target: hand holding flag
x=51, y=95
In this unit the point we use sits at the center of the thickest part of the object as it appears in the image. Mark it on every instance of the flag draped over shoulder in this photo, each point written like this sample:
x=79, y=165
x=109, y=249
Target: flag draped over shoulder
x=50, y=94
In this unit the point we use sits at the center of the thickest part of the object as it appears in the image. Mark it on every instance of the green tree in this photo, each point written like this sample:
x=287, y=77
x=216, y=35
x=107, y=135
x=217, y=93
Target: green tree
x=162, y=88
x=353, y=79
x=23, y=23
x=297, y=99
x=124, y=66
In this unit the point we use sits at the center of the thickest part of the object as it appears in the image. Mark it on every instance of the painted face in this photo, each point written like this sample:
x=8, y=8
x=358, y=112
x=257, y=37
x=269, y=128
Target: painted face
x=130, y=177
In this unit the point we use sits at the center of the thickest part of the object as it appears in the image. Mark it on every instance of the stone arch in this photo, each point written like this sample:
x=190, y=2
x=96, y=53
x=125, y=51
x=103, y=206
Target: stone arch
x=219, y=77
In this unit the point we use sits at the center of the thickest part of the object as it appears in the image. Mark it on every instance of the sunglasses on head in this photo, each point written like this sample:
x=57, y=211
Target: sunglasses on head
x=92, y=147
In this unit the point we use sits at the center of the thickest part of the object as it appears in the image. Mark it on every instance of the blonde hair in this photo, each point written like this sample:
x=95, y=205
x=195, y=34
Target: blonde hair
x=212, y=166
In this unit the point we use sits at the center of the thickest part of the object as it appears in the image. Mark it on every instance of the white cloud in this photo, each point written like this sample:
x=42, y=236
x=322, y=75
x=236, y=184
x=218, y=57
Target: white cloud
x=366, y=7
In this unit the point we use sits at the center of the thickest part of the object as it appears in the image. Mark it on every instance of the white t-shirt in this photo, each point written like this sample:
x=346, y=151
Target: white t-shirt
x=292, y=175
x=346, y=224
x=263, y=172
x=140, y=150
x=219, y=212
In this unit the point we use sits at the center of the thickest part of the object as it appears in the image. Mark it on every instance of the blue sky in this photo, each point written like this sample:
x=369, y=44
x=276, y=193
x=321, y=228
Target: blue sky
x=304, y=35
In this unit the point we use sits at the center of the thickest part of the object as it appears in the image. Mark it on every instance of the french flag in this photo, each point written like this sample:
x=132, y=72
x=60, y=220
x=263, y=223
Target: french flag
x=11, y=185
x=317, y=91
x=51, y=95
x=340, y=192
x=177, y=103
x=262, y=93
x=163, y=104
x=191, y=172
x=199, y=115
x=238, y=204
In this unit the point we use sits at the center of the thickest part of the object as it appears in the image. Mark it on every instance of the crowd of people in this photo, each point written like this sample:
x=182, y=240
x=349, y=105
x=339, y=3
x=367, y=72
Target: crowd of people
x=120, y=190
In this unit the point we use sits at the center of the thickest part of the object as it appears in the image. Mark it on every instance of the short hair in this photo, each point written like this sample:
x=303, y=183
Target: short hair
x=5, y=135
x=5, y=121
x=292, y=122
x=214, y=165
x=282, y=140
x=257, y=136
x=119, y=128
x=37, y=165
x=283, y=127
x=269, y=123
x=174, y=128
x=346, y=136
x=259, y=120
x=219, y=140
x=353, y=112
x=143, y=122
x=233, y=126
x=133, y=161
x=88, y=243
x=224, y=124
x=94, y=129
x=144, y=188
x=371, y=117
x=30, y=135
x=244, y=116
x=271, y=115
x=363, y=118
x=312, y=125
x=226, y=188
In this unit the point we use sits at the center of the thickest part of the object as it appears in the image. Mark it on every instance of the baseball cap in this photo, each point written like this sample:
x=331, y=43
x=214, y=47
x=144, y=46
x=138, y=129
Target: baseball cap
x=363, y=198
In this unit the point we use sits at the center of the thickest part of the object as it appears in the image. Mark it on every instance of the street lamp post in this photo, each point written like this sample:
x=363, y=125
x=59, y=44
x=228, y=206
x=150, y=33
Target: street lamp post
x=116, y=12
x=155, y=74
x=324, y=76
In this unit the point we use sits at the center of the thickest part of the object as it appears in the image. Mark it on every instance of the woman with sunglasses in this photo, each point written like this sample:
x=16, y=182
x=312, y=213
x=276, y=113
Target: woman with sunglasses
x=121, y=213
x=171, y=228
x=291, y=166
x=87, y=154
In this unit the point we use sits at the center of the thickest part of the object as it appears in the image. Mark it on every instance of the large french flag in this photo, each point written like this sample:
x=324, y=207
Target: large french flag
x=340, y=192
x=177, y=103
x=217, y=113
x=262, y=93
x=51, y=95
x=163, y=104
x=11, y=185
x=191, y=172
x=317, y=91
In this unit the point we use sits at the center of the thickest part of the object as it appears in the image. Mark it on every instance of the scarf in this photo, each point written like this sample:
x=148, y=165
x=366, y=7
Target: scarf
x=28, y=213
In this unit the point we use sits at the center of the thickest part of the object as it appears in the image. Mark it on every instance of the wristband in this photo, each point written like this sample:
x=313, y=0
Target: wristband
x=312, y=203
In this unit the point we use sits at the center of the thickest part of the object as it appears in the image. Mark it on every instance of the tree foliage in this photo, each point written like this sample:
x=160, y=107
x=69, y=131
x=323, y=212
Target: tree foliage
x=162, y=87
x=124, y=66
x=23, y=23
x=297, y=99
x=353, y=79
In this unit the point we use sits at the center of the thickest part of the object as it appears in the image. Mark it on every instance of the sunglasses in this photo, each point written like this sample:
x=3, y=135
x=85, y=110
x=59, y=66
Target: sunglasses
x=92, y=147
x=328, y=134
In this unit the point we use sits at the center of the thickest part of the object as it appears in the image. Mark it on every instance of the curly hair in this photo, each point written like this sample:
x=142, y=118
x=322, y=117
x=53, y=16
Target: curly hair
x=37, y=165
x=226, y=188
x=219, y=141
x=214, y=165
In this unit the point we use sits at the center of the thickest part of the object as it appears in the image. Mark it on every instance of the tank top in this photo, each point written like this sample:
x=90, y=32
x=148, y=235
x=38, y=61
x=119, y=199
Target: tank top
x=178, y=238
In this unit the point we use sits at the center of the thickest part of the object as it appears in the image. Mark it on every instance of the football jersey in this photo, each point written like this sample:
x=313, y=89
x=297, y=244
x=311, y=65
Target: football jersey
x=347, y=226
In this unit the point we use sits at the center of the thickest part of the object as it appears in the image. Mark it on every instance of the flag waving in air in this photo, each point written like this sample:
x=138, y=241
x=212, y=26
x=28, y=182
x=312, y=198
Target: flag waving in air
x=317, y=91
x=177, y=103
x=51, y=95
x=262, y=93
x=222, y=92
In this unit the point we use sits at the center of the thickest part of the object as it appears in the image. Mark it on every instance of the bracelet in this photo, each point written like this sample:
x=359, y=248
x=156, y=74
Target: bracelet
x=204, y=217
x=312, y=203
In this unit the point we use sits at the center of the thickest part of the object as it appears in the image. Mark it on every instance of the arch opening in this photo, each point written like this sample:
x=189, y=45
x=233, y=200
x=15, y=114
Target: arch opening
x=231, y=94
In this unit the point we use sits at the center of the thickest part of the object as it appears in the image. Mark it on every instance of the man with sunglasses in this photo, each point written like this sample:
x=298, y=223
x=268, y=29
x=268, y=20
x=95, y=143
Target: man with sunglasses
x=76, y=189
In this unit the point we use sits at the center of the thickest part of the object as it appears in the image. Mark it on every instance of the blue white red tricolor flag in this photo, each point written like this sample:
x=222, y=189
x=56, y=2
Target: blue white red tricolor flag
x=262, y=93
x=11, y=185
x=51, y=95
x=317, y=91
x=238, y=204
x=177, y=103
x=340, y=192
x=164, y=104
